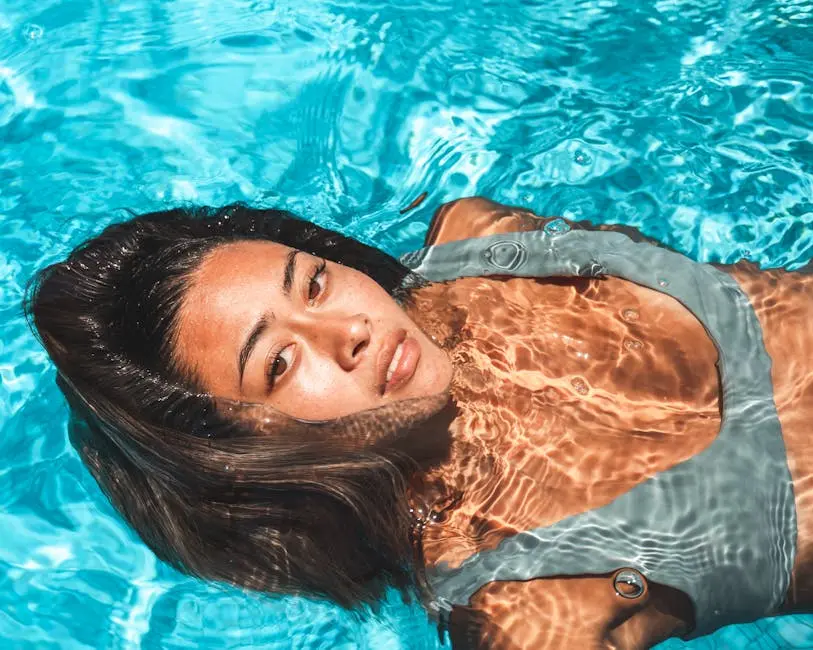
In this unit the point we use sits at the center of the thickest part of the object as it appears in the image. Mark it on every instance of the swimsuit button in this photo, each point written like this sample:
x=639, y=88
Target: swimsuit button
x=629, y=583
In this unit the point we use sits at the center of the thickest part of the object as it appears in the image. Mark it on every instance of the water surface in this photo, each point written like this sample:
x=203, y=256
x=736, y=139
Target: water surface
x=690, y=120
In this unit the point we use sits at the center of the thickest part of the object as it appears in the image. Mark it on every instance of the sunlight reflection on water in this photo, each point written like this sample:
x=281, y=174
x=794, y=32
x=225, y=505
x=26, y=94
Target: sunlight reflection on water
x=689, y=120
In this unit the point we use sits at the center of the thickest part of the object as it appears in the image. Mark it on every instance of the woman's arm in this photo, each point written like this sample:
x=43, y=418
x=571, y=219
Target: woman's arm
x=578, y=612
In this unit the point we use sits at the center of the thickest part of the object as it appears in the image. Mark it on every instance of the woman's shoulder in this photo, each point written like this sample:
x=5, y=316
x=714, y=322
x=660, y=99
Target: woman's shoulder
x=477, y=216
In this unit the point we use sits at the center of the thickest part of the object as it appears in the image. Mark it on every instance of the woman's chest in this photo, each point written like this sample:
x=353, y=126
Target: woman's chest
x=571, y=393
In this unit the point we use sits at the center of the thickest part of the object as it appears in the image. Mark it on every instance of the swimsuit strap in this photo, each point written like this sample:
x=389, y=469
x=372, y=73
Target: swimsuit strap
x=720, y=526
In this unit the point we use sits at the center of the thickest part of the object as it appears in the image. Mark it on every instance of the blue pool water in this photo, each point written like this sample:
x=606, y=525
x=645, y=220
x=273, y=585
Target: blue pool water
x=690, y=119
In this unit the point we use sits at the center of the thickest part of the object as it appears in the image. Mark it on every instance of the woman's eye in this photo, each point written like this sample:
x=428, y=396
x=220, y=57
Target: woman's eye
x=279, y=364
x=316, y=282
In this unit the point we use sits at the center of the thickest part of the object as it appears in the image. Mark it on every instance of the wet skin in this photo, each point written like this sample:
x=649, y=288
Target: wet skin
x=554, y=418
x=557, y=420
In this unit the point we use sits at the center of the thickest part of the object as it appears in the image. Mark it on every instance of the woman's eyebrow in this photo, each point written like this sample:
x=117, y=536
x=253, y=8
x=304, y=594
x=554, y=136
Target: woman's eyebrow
x=248, y=346
x=290, y=270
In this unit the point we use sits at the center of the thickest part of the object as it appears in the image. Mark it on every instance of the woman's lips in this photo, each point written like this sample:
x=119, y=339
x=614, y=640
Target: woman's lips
x=405, y=365
x=401, y=354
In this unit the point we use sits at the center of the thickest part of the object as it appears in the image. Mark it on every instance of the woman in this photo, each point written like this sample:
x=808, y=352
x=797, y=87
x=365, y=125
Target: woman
x=266, y=416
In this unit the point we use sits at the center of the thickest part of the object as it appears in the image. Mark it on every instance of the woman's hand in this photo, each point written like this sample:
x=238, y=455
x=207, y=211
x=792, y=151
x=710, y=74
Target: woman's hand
x=584, y=612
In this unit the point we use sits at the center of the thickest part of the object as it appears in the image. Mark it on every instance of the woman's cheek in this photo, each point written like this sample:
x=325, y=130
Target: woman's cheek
x=322, y=393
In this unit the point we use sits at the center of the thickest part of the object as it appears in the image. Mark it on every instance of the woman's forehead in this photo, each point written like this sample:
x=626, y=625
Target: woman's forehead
x=241, y=255
x=230, y=273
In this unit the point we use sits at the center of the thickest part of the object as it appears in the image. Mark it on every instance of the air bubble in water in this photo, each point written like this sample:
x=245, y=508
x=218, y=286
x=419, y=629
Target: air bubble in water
x=32, y=32
x=663, y=282
x=582, y=157
x=556, y=227
x=580, y=385
x=630, y=315
x=633, y=344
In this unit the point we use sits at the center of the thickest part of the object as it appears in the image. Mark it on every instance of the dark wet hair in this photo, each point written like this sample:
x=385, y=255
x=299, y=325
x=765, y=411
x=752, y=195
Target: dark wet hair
x=225, y=491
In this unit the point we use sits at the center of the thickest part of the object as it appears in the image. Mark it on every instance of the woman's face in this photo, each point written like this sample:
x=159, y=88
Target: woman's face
x=261, y=322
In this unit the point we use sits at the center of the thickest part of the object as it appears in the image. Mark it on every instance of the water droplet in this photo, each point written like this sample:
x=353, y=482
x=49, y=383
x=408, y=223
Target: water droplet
x=662, y=282
x=630, y=315
x=633, y=344
x=580, y=385
x=557, y=226
x=227, y=467
x=582, y=157
x=32, y=32
x=437, y=517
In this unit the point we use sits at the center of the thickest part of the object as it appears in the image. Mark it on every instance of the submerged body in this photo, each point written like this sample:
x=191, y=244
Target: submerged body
x=573, y=392
x=252, y=395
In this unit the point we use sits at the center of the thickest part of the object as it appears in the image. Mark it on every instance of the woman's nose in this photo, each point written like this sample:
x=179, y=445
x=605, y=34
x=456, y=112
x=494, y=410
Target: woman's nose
x=347, y=338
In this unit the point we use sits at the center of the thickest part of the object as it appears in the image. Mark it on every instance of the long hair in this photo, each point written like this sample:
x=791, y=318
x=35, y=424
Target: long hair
x=223, y=490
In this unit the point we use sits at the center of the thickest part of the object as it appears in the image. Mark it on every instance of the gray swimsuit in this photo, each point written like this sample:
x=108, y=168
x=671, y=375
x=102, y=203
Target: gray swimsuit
x=720, y=526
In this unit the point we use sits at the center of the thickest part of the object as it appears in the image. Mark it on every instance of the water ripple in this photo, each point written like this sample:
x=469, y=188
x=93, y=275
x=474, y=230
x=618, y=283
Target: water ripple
x=688, y=119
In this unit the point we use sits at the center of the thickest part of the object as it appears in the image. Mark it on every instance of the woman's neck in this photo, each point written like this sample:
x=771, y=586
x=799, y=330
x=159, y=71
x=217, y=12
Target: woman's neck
x=432, y=309
x=440, y=313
